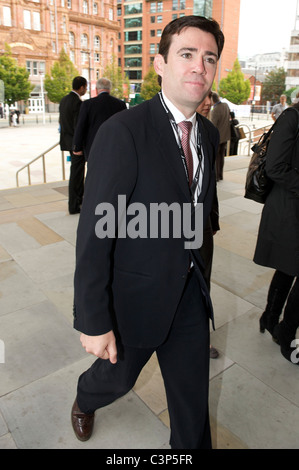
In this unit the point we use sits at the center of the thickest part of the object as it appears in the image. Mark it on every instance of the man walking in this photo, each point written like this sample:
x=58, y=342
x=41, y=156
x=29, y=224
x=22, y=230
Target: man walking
x=68, y=114
x=93, y=113
x=136, y=295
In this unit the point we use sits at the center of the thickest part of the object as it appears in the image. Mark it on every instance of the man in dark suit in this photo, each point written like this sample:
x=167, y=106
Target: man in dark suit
x=139, y=289
x=68, y=114
x=92, y=114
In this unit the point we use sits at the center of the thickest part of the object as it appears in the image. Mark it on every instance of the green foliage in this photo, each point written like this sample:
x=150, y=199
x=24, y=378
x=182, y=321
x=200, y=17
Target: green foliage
x=234, y=87
x=120, y=83
x=59, y=82
x=150, y=86
x=17, y=86
x=288, y=94
x=274, y=85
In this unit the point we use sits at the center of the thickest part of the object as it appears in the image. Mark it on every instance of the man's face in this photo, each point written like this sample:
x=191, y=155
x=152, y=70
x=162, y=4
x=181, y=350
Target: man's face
x=188, y=74
x=282, y=100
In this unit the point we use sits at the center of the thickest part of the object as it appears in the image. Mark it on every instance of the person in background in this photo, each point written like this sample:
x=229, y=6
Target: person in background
x=93, y=113
x=278, y=237
x=234, y=134
x=69, y=108
x=212, y=227
x=279, y=108
x=220, y=117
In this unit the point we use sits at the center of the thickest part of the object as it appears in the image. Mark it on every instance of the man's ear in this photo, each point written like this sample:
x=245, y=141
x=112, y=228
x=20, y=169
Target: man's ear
x=159, y=64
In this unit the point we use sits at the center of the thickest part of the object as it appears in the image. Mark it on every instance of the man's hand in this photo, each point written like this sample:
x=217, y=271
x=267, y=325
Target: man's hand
x=102, y=346
x=78, y=153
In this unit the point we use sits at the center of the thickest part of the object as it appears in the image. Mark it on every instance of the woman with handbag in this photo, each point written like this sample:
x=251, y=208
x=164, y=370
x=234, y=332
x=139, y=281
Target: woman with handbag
x=278, y=238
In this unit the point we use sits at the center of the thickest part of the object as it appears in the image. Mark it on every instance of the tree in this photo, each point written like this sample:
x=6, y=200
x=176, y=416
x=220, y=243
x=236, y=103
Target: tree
x=59, y=82
x=17, y=86
x=150, y=86
x=120, y=83
x=234, y=87
x=274, y=85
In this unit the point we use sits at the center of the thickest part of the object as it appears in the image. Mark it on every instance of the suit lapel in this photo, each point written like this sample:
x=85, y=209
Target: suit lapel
x=168, y=146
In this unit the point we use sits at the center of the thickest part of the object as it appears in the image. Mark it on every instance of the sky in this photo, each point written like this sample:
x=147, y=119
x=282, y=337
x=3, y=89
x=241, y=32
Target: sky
x=265, y=26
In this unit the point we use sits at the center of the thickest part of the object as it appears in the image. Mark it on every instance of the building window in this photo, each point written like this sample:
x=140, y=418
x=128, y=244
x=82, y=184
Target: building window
x=85, y=6
x=160, y=6
x=53, y=46
x=64, y=24
x=133, y=36
x=175, y=4
x=133, y=49
x=133, y=62
x=153, y=19
x=153, y=33
x=97, y=42
x=133, y=9
x=36, y=21
x=72, y=56
x=133, y=22
x=71, y=39
x=152, y=48
x=84, y=57
x=96, y=57
x=182, y=5
x=69, y=4
x=159, y=33
x=52, y=22
x=6, y=16
x=27, y=19
x=134, y=74
x=159, y=18
x=111, y=14
x=95, y=8
x=153, y=7
x=84, y=41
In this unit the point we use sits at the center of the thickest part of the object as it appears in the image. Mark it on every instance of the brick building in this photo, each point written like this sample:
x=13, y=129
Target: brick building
x=37, y=30
x=142, y=21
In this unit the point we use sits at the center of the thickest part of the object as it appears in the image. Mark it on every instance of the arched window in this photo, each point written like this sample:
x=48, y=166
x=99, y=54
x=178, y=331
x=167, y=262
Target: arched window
x=84, y=41
x=71, y=39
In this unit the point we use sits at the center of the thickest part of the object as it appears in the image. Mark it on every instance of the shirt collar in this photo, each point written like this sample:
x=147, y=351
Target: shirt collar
x=177, y=114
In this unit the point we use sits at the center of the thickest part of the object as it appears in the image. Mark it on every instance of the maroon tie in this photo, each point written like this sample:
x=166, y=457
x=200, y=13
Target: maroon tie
x=186, y=127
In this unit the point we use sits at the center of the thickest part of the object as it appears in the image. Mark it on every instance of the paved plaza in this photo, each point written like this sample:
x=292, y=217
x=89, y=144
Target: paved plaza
x=254, y=399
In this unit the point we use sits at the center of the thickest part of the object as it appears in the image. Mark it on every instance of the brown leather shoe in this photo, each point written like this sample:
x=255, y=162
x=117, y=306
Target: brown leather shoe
x=82, y=423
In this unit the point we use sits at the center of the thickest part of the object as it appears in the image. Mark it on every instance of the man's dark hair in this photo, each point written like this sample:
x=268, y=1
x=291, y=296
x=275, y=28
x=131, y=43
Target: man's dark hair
x=192, y=21
x=78, y=82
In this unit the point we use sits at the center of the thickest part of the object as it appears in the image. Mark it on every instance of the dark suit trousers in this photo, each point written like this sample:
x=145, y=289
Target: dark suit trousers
x=76, y=182
x=184, y=363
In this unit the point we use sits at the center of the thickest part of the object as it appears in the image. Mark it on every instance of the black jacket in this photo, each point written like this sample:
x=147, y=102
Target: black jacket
x=69, y=109
x=93, y=113
x=135, y=284
x=278, y=238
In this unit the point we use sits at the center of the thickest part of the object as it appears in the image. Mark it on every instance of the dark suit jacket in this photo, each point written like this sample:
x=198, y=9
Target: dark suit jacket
x=135, y=284
x=93, y=113
x=68, y=114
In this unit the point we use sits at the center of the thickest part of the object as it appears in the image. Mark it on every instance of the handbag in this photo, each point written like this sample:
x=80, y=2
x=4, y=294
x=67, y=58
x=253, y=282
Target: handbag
x=258, y=185
x=242, y=133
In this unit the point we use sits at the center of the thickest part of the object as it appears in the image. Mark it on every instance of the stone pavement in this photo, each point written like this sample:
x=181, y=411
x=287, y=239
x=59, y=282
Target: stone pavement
x=254, y=395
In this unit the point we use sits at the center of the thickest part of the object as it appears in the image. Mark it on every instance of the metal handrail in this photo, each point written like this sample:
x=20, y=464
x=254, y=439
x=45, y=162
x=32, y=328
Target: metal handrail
x=42, y=156
x=250, y=140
